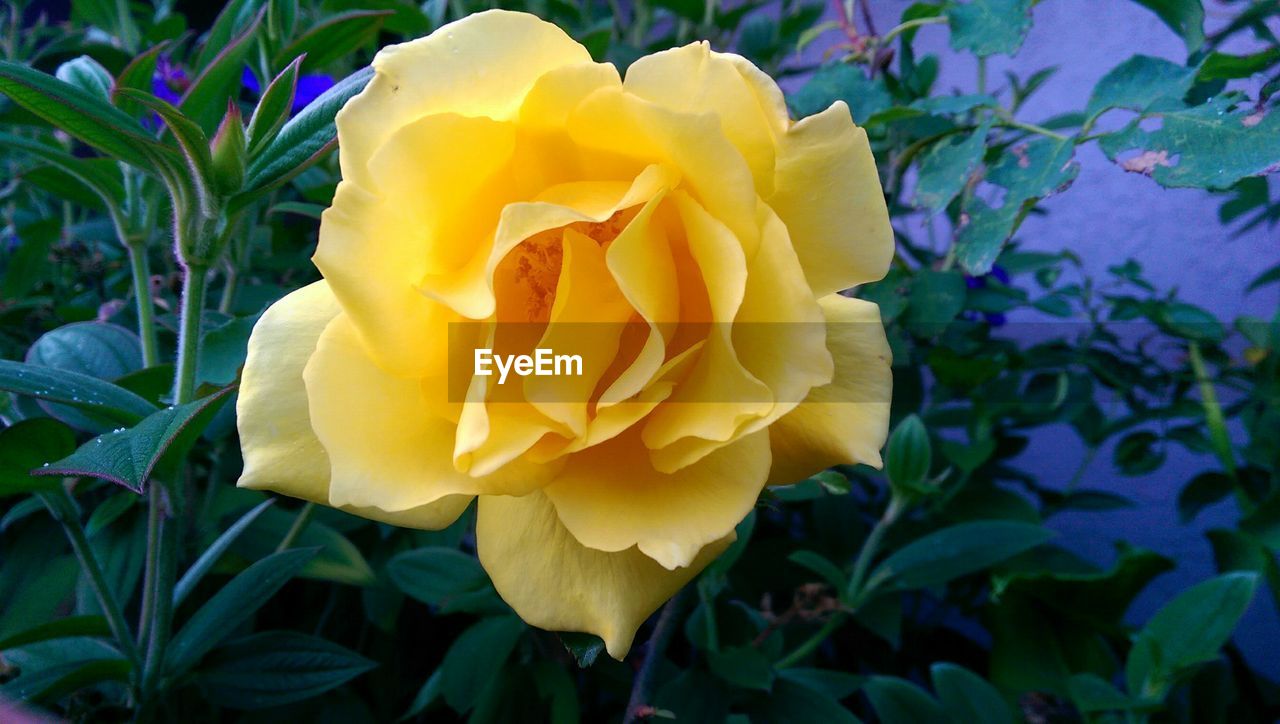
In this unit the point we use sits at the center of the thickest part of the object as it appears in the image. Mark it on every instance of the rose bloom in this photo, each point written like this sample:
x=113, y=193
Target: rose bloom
x=677, y=230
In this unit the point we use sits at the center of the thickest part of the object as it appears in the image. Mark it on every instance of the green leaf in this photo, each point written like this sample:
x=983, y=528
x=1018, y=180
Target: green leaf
x=223, y=350
x=108, y=512
x=127, y=457
x=29, y=444
x=445, y=577
x=898, y=701
x=987, y=27
x=215, y=550
x=1264, y=522
x=1142, y=83
x=745, y=667
x=305, y=139
x=233, y=604
x=947, y=166
x=1270, y=276
x=841, y=82
x=339, y=559
x=835, y=684
x=234, y=18
x=86, y=74
x=54, y=682
x=336, y=37
x=104, y=351
x=191, y=139
x=585, y=647
x=1187, y=631
x=206, y=99
x=75, y=389
x=1184, y=17
x=476, y=657
x=967, y=697
x=1223, y=66
x=822, y=566
x=1204, y=490
x=1210, y=146
x=793, y=702
x=937, y=298
x=956, y=551
x=273, y=107
x=1138, y=453
x=1092, y=693
x=84, y=116
x=104, y=182
x=137, y=75
x=1028, y=173
x=277, y=667
x=56, y=629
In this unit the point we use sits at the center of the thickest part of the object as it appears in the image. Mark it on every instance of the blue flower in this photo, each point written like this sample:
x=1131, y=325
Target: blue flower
x=169, y=81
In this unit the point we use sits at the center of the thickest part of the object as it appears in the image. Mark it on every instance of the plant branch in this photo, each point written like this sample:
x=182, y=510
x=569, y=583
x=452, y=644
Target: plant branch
x=662, y=632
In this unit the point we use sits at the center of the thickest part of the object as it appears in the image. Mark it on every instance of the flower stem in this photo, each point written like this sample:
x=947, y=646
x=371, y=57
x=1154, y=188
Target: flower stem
x=299, y=525
x=63, y=510
x=918, y=22
x=162, y=521
x=141, y=269
x=662, y=632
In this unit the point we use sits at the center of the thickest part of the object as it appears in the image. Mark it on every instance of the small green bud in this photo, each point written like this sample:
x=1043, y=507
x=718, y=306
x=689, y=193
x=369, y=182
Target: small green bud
x=908, y=458
x=228, y=150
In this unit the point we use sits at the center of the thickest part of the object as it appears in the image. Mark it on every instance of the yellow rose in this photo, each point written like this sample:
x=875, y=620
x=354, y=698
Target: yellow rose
x=492, y=173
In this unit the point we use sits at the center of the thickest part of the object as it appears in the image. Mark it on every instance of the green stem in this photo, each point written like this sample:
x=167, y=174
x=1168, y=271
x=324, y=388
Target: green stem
x=62, y=509
x=151, y=563
x=1212, y=411
x=162, y=522
x=141, y=269
x=1009, y=122
x=909, y=25
x=299, y=525
x=856, y=593
x=982, y=74
x=193, y=292
x=229, y=290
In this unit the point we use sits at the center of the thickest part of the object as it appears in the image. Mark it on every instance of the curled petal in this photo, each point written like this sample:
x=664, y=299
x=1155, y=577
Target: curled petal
x=556, y=583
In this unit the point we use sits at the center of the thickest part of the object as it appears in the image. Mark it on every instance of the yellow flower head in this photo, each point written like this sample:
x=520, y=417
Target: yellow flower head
x=676, y=232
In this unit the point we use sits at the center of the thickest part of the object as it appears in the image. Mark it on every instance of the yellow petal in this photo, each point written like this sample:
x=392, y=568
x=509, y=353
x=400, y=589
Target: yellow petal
x=696, y=79
x=378, y=250
x=432, y=516
x=610, y=497
x=844, y=422
x=556, y=583
x=280, y=451
x=387, y=446
x=828, y=194
x=482, y=65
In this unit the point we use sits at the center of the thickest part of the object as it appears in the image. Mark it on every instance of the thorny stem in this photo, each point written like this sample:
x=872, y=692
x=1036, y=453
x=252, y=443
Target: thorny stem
x=662, y=632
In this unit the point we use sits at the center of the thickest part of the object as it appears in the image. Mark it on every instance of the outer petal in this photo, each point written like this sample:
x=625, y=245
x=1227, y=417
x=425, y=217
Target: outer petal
x=828, y=194
x=847, y=421
x=610, y=497
x=482, y=65
x=556, y=583
x=696, y=79
x=388, y=447
x=281, y=452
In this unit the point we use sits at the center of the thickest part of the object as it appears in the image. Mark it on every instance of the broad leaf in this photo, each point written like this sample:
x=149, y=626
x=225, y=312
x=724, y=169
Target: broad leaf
x=273, y=107
x=86, y=74
x=1184, y=17
x=31, y=444
x=215, y=550
x=1142, y=83
x=968, y=698
x=987, y=27
x=1210, y=146
x=277, y=667
x=99, y=180
x=447, y=578
x=305, y=139
x=83, y=115
x=947, y=166
x=56, y=629
x=137, y=75
x=898, y=701
x=956, y=551
x=336, y=37
x=841, y=82
x=75, y=389
x=127, y=457
x=206, y=99
x=476, y=657
x=235, y=602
